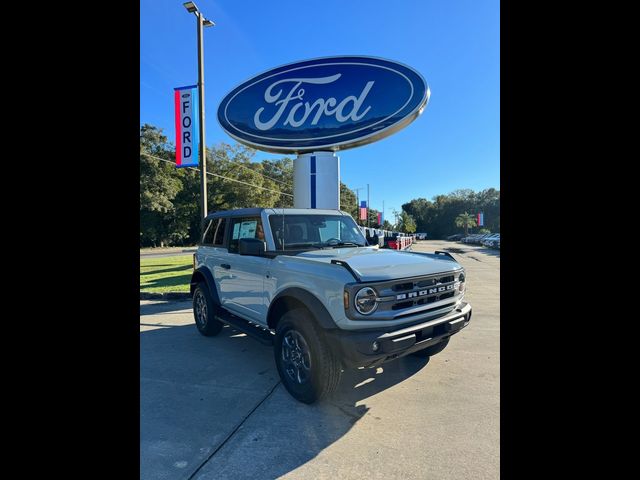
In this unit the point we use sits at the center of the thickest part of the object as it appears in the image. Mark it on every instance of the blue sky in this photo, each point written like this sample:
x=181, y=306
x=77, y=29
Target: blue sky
x=454, y=44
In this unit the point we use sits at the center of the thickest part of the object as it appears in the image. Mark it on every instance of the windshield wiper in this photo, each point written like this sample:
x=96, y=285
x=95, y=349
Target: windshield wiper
x=295, y=246
x=345, y=244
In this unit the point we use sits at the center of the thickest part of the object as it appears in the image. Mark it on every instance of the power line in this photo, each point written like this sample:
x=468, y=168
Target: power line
x=251, y=170
x=277, y=167
x=220, y=176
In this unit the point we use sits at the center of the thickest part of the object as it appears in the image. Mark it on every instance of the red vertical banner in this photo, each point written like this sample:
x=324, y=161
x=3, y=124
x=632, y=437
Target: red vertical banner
x=379, y=218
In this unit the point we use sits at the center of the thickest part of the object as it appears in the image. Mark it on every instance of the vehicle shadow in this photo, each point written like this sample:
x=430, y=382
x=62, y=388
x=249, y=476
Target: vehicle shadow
x=152, y=269
x=177, y=281
x=490, y=251
x=196, y=391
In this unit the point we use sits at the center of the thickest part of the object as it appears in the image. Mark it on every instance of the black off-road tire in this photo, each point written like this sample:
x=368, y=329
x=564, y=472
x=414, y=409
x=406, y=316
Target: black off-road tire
x=433, y=349
x=204, y=310
x=325, y=370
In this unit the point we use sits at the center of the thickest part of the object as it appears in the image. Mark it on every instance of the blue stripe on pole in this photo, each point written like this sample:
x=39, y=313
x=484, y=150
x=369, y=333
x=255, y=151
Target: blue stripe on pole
x=313, y=182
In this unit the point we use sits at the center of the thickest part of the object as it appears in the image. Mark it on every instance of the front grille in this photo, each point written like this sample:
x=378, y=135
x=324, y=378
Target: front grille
x=412, y=296
x=399, y=306
x=427, y=283
x=402, y=286
x=423, y=291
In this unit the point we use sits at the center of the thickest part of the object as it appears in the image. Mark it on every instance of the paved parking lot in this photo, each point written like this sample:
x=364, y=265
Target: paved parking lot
x=213, y=408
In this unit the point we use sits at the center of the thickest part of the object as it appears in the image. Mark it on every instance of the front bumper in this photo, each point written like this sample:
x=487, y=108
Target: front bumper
x=355, y=348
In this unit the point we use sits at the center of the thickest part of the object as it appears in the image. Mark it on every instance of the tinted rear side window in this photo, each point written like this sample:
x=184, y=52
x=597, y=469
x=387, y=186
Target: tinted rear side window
x=219, y=233
x=207, y=238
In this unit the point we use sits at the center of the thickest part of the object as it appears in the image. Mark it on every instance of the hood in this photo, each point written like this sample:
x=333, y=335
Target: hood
x=372, y=264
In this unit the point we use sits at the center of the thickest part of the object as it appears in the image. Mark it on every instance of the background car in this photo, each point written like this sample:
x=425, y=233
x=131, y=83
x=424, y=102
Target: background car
x=488, y=241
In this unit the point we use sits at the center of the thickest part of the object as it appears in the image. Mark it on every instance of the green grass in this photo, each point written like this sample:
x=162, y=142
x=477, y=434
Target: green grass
x=166, y=274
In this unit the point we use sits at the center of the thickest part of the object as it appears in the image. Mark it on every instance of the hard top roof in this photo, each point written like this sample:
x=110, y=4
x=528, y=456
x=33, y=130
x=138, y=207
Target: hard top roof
x=252, y=212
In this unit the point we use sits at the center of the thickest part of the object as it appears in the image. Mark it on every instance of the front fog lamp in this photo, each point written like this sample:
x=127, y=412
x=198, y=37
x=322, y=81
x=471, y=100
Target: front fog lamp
x=365, y=301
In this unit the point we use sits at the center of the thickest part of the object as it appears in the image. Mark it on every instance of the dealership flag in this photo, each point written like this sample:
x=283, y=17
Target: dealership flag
x=379, y=218
x=480, y=219
x=186, y=105
x=363, y=210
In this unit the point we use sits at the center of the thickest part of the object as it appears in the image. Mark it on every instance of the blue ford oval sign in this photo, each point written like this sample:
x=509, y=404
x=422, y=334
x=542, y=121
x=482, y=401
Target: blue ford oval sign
x=331, y=103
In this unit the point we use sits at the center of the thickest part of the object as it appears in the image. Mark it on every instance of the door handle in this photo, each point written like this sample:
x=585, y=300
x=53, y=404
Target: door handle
x=226, y=265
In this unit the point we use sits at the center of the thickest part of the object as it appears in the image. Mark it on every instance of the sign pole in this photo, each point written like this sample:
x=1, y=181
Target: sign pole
x=368, y=205
x=203, y=159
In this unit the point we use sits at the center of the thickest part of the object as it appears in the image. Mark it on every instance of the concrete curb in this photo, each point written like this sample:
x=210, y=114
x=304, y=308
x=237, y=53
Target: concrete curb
x=165, y=296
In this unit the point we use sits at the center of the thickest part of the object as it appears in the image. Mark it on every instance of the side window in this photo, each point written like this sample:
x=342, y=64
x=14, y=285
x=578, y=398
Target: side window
x=244, y=228
x=218, y=238
x=207, y=237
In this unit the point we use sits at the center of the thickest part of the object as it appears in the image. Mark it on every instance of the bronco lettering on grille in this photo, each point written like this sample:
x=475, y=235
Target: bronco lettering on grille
x=422, y=293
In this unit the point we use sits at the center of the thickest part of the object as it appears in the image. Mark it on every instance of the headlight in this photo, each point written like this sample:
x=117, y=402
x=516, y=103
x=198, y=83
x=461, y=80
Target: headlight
x=365, y=301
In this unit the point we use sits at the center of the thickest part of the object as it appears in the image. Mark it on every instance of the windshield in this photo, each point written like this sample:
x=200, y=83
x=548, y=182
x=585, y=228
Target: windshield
x=292, y=232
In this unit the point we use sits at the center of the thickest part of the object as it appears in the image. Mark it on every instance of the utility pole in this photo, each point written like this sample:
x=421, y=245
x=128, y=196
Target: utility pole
x=358, y=204
x=201, y=22
x=368, y=206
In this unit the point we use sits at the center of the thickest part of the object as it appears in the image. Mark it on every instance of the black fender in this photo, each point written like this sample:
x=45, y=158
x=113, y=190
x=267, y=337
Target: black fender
x=204, y=273
x=297, y=297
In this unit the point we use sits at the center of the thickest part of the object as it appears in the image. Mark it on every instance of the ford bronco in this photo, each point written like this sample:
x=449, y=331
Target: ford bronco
x=307, y=282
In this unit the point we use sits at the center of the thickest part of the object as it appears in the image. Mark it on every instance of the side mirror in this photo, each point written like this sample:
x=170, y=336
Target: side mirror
x=251, y=246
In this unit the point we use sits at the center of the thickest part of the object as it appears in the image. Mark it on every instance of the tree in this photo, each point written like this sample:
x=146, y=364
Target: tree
x=159, y=185
x=423, y=213
x=465, y=220
x=170, y=197
x=406, y=223
x=348, y=201
x=437, y=216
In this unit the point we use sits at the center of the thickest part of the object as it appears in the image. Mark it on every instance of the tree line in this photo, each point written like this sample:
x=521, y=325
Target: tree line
x=170, y=196
x=438, y=216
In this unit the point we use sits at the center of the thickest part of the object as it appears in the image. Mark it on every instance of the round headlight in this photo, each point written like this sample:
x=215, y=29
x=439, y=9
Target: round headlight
x=365, y=300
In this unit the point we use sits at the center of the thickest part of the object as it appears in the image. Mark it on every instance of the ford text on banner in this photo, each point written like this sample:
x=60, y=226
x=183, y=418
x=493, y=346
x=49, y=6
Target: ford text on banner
x=186, y=105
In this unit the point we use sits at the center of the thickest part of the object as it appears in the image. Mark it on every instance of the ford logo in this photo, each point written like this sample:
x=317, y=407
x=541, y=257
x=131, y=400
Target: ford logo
x=331, y=103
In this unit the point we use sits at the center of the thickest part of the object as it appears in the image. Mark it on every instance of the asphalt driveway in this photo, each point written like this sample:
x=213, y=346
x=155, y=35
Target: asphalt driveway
x=213, y=408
